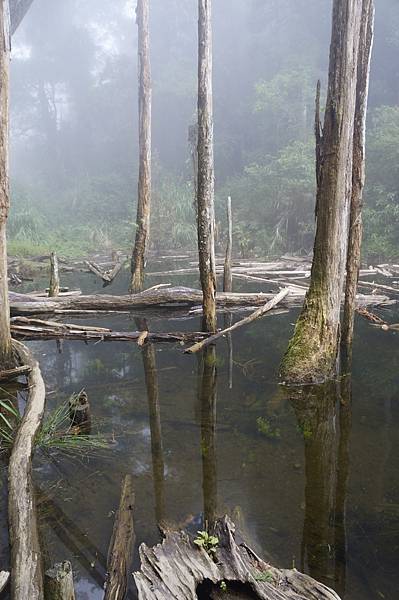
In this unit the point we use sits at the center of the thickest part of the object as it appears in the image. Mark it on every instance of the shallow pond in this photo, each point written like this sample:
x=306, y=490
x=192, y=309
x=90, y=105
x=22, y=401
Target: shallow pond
x=311, y=476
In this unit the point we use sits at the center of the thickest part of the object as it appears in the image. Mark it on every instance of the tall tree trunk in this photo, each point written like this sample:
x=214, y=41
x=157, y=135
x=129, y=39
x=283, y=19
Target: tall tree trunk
x=312, y=352
x=144, y=184
x=358, y=178
x=205, y=183
x=5, y=336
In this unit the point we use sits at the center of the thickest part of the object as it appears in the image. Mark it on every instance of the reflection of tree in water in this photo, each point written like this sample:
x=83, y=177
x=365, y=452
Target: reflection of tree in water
x=208, y=435
x=151, y=381
x=326, y=469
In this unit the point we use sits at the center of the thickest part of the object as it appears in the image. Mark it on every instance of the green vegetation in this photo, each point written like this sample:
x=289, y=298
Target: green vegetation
x=264, y=576
x=207, y=541
x=267, y=429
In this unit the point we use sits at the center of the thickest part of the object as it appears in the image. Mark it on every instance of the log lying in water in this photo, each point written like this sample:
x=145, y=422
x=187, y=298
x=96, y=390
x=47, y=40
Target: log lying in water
x=26, y=560
x=172, y=297
x=255, y=315
x=121, y=546
x=37, y=329
x=14, y=373
x=177, y=568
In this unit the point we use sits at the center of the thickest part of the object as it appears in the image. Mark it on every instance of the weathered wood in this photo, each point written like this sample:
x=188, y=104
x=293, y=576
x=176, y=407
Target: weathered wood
x=313, y=351
x=206, y=175
x=14, y=373
x=54, y=288
x=177, y=567
x=5, y=336
x=144, y=182
x=255, y=315
x=227, y=274
x=79, y=413
x=358, y=170
x=165, y=298
x=4, y=577
x=58, y=582
x=106, y=276
x=121, y=545
x=26, y=560
x=31, y=330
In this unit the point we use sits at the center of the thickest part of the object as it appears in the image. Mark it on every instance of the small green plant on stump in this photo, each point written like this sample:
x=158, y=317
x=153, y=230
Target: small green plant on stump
x=207, y=541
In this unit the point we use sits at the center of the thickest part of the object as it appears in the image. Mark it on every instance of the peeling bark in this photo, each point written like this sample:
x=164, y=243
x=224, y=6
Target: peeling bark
x=358, y=176
x=144, y=183
x=313, y=351
x=206, y=176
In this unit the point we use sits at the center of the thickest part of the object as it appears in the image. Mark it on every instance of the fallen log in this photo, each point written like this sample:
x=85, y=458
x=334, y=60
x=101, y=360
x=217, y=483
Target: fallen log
x=58, y=582
x=26, y=560
x=171, y=297
x=121, y=546
x=177, y=568
x=107, y=276
x=4, y=577
x=379, y=286
x=14, y=373
x=31, y=330
x=255, y=315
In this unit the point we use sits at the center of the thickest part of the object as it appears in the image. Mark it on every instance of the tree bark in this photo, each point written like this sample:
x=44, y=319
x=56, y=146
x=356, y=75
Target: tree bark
x=54, y=288
x=205, y=183
x=358, y=171
x=5, y=336
x=227, y=274
x=144, y=183
x=313, y=350
x=58, y=582
x=26, y=559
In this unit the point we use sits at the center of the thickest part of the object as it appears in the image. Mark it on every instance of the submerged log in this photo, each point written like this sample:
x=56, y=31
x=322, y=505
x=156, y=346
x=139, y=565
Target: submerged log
x=14, y=373
x=121, y=546
x=255, y=315
x=177, y=568
x=26, y=560
x=58, y=582
x=171, y=297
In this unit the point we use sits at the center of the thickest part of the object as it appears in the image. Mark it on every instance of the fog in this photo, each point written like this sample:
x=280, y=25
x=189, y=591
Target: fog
x=74, y=146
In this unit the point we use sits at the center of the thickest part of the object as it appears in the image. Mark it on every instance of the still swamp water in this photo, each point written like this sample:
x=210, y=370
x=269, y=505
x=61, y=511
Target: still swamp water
x=311, y=476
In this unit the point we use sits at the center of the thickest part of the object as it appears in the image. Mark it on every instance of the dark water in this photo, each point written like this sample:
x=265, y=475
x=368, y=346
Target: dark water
x=310, y=476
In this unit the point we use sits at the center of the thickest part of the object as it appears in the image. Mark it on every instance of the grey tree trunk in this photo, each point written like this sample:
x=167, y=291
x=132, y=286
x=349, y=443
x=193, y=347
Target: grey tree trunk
x=358, y=178
x=313, y=350
x=144, y=183
x=5, y=336
x=205, y=182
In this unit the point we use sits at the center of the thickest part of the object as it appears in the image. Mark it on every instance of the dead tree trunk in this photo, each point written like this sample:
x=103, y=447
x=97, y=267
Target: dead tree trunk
x=58, y=582
x=312, y=353
x=227, y=275
x=205, y=182
x=144, y=184
x=5, y=336
x=358, y=177
x=54, y=288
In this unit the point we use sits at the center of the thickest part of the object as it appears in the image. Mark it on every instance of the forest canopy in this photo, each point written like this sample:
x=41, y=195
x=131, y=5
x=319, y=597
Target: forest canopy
x=74, y=133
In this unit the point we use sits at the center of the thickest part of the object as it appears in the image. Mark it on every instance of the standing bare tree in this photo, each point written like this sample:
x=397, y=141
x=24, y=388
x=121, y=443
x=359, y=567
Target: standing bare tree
x=359, y=151
x=206, y=176
x=5, y=335
x=313, y=351
x=144, y=183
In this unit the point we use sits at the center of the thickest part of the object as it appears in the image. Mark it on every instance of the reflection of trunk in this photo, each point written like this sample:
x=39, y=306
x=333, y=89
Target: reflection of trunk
x=315, y=412
x=5, y=337
x=151, y=381
x=208, y=436
x=345, y=426
x=205, y=183
x=358, y=177
x=327, y=472
x=144, y=185
x=228, y=321
x=312, y=353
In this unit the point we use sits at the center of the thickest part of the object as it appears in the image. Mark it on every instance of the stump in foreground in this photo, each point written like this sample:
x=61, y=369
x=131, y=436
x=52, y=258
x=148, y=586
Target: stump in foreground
x=177, y=568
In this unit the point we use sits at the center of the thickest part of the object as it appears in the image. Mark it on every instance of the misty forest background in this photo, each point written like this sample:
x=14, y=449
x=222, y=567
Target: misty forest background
x=74, y=156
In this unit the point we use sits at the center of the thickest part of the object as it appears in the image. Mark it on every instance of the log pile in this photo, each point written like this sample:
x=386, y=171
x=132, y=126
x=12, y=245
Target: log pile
x=177, y=568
